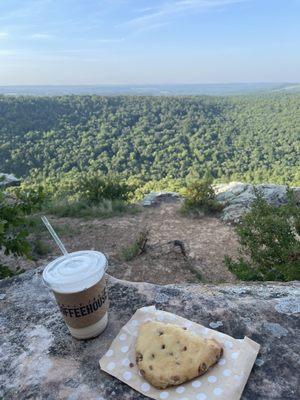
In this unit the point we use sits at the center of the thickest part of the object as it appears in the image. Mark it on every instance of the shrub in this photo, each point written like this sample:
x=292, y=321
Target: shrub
x=137, y=247
x=40, y=248
x=5, y=272
x=167, y=184
x=95, y=188
x=200, y=198
x=83, y=209
x=269, y=242
x=14, y=207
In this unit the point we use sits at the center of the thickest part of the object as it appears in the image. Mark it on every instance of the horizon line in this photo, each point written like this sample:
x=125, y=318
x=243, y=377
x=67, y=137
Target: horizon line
x=154, y=84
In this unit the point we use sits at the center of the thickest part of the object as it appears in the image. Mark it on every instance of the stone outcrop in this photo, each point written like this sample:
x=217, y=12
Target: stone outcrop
x=238, y=197
x=155, y=198
x=40, y=360
x=7, y=180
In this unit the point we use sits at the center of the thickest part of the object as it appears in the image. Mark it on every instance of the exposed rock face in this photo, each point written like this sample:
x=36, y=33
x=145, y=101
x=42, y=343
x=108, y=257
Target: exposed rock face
x=238, y=197
x=7, y=180
x=40, y=360
x=155, y=198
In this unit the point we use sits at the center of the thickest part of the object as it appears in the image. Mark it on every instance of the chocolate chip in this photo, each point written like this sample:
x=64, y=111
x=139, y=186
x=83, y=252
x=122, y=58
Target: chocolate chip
x=202, y=368
x=171, y=354
x=184, y=349
x=131, y=365
x=153, y=355
x=184, y=328
x=163, y=346
x=142, y=372
x=139, y=357
x=160, y=333
x=175, y=378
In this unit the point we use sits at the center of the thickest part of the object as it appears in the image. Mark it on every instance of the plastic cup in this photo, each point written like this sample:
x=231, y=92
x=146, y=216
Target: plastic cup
x=79, y=286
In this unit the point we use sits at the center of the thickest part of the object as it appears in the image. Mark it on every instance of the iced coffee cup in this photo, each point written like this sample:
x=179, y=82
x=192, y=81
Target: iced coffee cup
x=79, y=286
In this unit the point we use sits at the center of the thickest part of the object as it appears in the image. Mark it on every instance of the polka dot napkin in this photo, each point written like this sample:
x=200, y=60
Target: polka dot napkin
x=226, y=380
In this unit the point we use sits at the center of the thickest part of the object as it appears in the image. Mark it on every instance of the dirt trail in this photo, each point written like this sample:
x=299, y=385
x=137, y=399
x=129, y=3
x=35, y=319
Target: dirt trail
x=207, y=240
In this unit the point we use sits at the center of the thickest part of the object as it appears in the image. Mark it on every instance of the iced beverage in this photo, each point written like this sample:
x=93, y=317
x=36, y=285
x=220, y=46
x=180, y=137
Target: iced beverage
x=79, y=285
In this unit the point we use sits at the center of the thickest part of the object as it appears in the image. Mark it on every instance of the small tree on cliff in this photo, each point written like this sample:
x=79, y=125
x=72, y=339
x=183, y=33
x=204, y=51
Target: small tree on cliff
x=269, y=237
x=13, y=211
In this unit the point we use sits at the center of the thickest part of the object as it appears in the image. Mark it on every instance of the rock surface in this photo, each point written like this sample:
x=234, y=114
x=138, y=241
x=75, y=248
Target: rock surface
x=40, y=360
x=155, y=198
x=238, y=197
x=7, y=180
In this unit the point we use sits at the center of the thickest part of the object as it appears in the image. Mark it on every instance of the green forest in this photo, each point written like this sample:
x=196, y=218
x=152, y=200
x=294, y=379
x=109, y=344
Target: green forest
x=252, y=138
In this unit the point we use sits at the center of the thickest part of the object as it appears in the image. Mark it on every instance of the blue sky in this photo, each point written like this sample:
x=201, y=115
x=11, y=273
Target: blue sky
x=149, y=41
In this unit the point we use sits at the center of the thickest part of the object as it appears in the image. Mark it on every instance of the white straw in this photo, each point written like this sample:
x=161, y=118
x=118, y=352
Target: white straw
x=54, y=235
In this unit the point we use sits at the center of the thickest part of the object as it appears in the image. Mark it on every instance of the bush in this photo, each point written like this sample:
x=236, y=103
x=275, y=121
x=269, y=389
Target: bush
x=14, y=207
x=40, y=248
x=78, y=194
x=83, y=209
x=141, y=189
x=269, y=240
x=137, y=247
x=95, y=188
x=200, y=198
x=5, y=272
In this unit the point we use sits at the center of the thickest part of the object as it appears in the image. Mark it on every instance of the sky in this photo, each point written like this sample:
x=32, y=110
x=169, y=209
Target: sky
x=88, y=42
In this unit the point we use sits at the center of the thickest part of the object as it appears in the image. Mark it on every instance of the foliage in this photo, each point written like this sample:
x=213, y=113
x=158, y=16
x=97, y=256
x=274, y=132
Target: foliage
x=137, y=247
x=168, y=184
x=84, y=194
x=91, y=187
x=5, y=272
x=13, y=211
x=40, y=248
x=14, y=208
x=249, y=138
x=95, y=188
x=269, y=239
x=83, y=209
x=200, y=198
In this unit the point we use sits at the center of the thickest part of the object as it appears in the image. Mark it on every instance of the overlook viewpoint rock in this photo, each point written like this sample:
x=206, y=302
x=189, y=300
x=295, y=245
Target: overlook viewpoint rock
x=40, y=360
x=237, y=197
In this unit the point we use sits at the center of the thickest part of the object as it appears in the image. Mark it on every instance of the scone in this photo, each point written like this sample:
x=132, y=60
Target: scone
x=169, y=355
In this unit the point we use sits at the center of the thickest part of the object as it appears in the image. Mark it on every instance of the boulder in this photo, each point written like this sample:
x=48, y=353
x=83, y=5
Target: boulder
x=238, y=197
x=7, y=180
x=297, y=194
x=40, y=360
x=155, y=198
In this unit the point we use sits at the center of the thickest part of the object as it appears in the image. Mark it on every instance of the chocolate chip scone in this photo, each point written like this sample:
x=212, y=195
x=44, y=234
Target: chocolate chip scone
x=169, y=355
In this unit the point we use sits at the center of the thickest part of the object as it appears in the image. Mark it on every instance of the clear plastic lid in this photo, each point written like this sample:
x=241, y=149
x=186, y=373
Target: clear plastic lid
x=75, y=272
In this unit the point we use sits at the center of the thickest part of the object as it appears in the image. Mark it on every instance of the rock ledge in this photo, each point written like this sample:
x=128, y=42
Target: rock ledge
x=40, y=360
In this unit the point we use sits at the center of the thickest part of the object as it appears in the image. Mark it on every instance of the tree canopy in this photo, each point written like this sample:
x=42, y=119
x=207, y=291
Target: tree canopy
x=255, y=138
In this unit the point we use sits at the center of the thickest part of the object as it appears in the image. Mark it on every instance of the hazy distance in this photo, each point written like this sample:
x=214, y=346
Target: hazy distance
x=96, y=42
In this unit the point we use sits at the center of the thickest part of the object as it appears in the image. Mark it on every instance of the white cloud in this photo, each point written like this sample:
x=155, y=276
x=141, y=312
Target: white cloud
x=172, y=9
x=3, y=35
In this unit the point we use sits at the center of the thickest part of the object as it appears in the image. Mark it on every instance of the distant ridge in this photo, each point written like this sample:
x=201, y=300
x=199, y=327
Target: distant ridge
x=224, y=89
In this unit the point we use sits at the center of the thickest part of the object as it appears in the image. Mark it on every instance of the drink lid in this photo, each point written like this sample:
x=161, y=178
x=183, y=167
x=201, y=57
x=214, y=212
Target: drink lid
x=75, y=272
